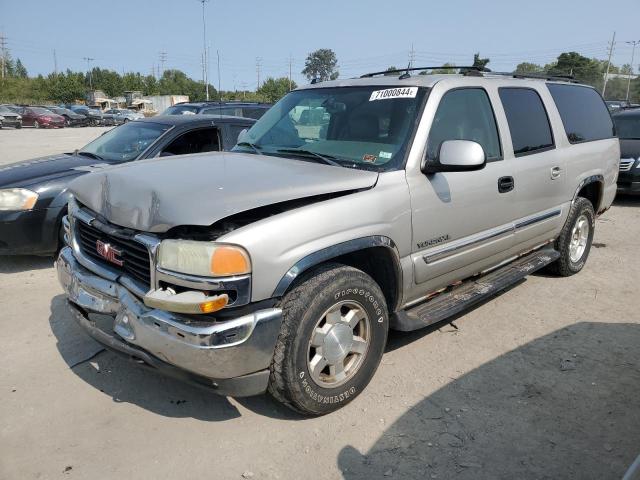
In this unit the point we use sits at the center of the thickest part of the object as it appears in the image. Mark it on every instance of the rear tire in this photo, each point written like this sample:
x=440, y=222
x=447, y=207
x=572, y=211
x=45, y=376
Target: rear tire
x=36, y=124
x=333, y=335
x=574, y=242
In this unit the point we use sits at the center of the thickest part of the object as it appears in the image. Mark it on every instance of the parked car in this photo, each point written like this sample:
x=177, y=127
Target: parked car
x=71, y=118
x=617, y=105
x=628, y=128
x=108, y=119
x=39, y=117
x=94, y=117
x=9, y=118
x=123, y=115
x=238, y=109
x=33, y=193
x=281, y=266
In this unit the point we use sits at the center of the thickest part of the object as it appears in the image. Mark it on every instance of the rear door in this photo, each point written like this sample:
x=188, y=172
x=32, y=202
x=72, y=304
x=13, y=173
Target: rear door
x=462, y=221
x=540, y=170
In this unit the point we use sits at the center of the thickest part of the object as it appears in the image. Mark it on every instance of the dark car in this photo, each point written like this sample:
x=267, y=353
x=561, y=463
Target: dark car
x=39, y=117
x=237, y=109
x=9, y=118
x=94, y=117
x=33, y=193
x=628, y=128
x=71, y=118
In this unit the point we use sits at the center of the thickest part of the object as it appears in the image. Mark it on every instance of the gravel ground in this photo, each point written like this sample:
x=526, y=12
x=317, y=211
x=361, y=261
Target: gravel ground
x=540, y=382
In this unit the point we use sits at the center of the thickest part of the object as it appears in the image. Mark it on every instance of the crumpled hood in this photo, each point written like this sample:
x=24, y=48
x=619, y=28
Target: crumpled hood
x=158, y=194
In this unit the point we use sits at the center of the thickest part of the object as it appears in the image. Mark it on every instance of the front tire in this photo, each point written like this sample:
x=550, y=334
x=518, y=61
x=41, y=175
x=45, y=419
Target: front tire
x=574, y=242
x=333, y=335
x=36, y=124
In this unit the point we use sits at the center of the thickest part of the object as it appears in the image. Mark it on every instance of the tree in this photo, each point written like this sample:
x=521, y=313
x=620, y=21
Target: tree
x=584, y=69
x=527, y=67
x=273, y=89
x=480, y=63
x=391, y=71
x=321, y=64
x=20, y=71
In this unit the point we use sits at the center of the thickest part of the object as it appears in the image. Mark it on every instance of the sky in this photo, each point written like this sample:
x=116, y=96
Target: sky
x=367, y=35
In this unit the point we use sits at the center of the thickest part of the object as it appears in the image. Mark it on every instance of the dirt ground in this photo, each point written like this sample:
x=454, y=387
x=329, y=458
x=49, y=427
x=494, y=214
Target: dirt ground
x=541, y=382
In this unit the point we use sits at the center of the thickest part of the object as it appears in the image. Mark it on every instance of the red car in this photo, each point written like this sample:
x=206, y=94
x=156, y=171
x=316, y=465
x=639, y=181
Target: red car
x=40, y=117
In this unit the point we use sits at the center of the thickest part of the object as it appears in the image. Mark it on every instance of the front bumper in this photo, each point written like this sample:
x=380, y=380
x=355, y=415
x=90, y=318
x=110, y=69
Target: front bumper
x=232, y=357
x=29, y=232
x=629, y=182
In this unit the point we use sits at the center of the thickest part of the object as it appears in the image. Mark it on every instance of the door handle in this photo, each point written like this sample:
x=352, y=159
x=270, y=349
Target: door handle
x=555, y=172
x=505, y=184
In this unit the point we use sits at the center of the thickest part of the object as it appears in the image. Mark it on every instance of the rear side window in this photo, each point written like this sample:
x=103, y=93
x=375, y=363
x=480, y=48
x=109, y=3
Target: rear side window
x=465, y=114
x=584, y=114
x=528, y=121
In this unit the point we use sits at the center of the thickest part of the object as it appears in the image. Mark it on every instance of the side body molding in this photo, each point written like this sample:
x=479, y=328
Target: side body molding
x=338, y=250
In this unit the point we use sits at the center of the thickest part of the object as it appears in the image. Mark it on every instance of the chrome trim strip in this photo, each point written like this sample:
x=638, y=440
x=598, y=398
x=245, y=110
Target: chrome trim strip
x=538, y=218
x=468, y=242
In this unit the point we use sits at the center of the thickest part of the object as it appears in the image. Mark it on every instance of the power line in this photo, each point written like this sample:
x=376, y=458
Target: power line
x=163, y=58
x=606, y=75
x=89, y=60
x=3, y=54
x=633, y=51
x=205, y=54
x=258, y=66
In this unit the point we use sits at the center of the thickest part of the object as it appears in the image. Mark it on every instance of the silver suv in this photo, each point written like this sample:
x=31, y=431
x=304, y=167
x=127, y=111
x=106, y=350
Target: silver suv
x=351, y=207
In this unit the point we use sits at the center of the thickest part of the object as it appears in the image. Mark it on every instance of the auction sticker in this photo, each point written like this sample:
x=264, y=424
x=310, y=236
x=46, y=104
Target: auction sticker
x=402, y=92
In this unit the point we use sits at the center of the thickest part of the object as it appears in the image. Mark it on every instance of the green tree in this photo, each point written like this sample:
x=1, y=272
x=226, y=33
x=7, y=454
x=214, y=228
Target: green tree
x=391, y=71
x=527, y=67
x=321, y=64
x=586, y=70
x=20, y=71
x=273, y=89
x=480, y=63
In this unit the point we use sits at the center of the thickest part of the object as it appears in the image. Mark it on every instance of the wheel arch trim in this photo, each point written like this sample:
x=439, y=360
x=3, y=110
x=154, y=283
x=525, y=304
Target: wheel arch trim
x=338, y=250
x=599, y=179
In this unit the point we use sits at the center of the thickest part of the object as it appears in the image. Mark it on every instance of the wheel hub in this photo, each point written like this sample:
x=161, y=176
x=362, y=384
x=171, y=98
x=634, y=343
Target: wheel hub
x=579, y=238
x=337, y=343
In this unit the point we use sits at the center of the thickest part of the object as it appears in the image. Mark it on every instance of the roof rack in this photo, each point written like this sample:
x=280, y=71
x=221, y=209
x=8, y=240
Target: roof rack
x=416, y=69
x=474, y=71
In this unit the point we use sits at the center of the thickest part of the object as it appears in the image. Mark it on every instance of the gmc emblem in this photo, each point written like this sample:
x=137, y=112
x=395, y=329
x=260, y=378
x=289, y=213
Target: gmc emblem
x=109, y=253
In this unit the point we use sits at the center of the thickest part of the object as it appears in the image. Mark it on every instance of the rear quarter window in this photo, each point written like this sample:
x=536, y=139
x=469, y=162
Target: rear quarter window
x=584, y=114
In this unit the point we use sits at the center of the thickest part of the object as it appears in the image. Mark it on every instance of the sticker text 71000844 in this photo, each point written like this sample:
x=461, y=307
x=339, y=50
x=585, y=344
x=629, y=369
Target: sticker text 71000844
x=401, y=92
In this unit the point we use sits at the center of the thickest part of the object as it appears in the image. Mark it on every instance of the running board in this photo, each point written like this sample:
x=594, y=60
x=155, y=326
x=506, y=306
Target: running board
x=471, y=292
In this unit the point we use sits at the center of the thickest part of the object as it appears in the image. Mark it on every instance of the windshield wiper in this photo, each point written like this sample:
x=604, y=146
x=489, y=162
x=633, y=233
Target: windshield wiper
x=328, y=159
x=251, y=145
x=88, y=154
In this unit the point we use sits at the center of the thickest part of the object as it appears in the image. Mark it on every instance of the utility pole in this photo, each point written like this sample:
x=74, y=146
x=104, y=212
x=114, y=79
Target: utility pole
x=258, y=66
x=163, y=58
x=89, y=60
x=55, y=63
x=412, y=56
x=633, y=51
x=290, y=82
x=205, y=55
x=219, y=83
x=606, y=75
x=3, y=54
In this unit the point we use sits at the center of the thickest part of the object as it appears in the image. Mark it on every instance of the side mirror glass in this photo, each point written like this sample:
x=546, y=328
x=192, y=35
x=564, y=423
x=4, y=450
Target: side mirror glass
x=457, y=156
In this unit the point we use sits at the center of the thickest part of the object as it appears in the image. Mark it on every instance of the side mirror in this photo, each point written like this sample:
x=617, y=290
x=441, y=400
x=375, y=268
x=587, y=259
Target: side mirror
x=242, y=136
x=457, y=156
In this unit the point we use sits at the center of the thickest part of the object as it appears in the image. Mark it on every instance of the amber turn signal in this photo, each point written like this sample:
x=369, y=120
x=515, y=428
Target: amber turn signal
x=228, y=260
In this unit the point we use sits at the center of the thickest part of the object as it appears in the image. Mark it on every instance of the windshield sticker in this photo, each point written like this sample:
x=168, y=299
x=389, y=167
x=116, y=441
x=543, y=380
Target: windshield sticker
x=369, y=158
x=405, y=92
x=386, y=155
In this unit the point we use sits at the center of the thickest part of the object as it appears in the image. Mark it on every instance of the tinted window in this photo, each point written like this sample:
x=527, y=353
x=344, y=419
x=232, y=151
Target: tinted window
x=253, y=112
x=465, y=114
x=583, y=112
x=196, y=141
x=627, y=126
x=528, y=121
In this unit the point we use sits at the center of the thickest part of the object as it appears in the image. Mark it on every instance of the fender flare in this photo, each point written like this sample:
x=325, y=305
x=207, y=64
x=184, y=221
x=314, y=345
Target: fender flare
x=334, y=251
x=586, y=181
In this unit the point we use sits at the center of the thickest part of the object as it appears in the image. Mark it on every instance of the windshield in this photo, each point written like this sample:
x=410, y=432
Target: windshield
x=181, y=110
x=628, y=127
x=6, y=110
x=359, y=127
x=125, y=142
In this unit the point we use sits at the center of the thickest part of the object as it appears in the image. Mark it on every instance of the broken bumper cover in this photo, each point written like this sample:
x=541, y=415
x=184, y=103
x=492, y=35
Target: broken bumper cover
x=232, y=357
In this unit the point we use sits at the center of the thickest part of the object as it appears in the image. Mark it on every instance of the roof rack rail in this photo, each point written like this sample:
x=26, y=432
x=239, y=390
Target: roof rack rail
x=416, y=69
x=539, y=76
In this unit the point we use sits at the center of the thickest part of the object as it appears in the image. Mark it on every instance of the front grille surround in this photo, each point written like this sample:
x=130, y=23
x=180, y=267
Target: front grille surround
x=626, y=164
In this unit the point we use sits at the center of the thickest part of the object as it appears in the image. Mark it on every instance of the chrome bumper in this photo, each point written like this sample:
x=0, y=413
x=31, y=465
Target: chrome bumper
x=216, y=351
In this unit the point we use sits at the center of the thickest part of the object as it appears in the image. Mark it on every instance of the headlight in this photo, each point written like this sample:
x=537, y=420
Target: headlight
x=17, y=199
x=1, y=118
x=207, y=259
x=19, y=117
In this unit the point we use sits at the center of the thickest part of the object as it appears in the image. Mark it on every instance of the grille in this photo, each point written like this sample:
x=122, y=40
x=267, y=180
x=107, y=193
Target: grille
x=134, y=255
x=626, y=164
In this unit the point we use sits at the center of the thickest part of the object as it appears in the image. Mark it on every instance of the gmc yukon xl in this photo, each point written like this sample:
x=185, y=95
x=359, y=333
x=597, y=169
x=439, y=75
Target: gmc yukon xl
x=350, y=208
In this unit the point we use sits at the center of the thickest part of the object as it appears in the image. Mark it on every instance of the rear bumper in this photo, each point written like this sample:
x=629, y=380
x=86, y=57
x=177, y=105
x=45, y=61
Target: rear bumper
x=231, y=357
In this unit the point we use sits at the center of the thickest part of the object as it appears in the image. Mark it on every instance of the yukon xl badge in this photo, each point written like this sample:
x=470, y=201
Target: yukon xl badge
x=109, y=253
x=433, y=241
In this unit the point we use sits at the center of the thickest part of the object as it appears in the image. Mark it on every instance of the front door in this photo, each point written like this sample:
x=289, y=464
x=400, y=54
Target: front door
x=462, y=221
